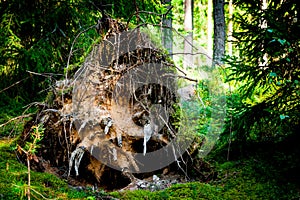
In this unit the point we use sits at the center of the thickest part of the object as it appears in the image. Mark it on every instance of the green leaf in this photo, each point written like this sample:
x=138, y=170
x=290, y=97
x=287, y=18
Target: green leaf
x=283, y=116
x=282, y=42
x=273, y=74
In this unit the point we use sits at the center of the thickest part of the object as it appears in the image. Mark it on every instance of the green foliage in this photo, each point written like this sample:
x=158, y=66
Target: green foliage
x=37, y=36
x=40, y=35
x=9, y=108
x=126, y=10
x=266, y=71
x=36, y=136
x=29, y=150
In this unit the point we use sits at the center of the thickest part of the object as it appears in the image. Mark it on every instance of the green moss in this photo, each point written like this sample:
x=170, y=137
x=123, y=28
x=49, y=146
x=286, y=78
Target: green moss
x=244, y=179
x=194, y=190
x=138, y=194
x=14, y=176
x=13, y=179
x=251, y=178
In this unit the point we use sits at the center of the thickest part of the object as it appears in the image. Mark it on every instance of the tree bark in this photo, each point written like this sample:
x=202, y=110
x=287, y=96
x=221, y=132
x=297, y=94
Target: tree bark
x=210, y=27
x=219, y=32
x=188, y=40
x=167, y=33
x=230, y=27
x=263, y=25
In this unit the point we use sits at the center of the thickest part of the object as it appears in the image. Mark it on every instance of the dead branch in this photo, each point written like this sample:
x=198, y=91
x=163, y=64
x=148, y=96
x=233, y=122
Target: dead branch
x=44, y=74
x=16, y=83
x=16, y=118
x=179, y=76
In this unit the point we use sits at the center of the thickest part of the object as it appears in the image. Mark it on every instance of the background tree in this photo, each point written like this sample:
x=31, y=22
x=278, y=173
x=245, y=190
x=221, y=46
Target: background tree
x=219, y=31
x=188, y=27
x=230, y=28
x=210, y=27
x=167, y=22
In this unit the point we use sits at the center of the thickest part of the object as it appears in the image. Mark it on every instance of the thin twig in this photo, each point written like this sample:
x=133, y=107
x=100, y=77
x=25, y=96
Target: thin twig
x=35, y=104
x=43, y=74
x=178, y=162
x=172, y=65
x=179, y=76
x=16, y=118
x=16, y=83
x=171, y=131
x=72, y=46
x=41, y=194
x=150, y=13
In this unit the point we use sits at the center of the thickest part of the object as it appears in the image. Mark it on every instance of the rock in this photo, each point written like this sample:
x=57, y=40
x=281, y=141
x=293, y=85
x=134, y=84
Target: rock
x=155, y=178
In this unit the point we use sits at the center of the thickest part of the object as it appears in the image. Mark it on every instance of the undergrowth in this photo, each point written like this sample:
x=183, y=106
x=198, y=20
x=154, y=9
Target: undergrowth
x=261, y=171
x=262, y=174
x=236, y=180
x=13, y=180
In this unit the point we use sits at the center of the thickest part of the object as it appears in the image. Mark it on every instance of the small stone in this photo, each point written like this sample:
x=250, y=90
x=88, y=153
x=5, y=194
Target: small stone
x=155, y=178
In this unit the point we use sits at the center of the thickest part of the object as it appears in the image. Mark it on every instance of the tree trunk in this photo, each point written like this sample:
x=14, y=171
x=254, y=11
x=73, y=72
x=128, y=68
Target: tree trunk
x=188, y=40
x=230, y=27
x=167, y=31
x=219, y=32
x=210, y=24
x=263, y=25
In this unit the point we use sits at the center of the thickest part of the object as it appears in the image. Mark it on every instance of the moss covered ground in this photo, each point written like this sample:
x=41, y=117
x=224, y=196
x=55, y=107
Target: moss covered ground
x=13, y=180
x=261, y=175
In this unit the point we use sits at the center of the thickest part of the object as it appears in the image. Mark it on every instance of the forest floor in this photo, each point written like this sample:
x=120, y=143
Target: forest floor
x=258, y=171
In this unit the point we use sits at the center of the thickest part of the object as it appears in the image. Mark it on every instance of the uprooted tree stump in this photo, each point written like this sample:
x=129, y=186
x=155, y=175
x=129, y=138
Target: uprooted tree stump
x=95, y=122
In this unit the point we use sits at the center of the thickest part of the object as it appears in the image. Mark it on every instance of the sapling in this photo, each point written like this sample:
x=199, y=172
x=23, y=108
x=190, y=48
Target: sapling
x=31, y=148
